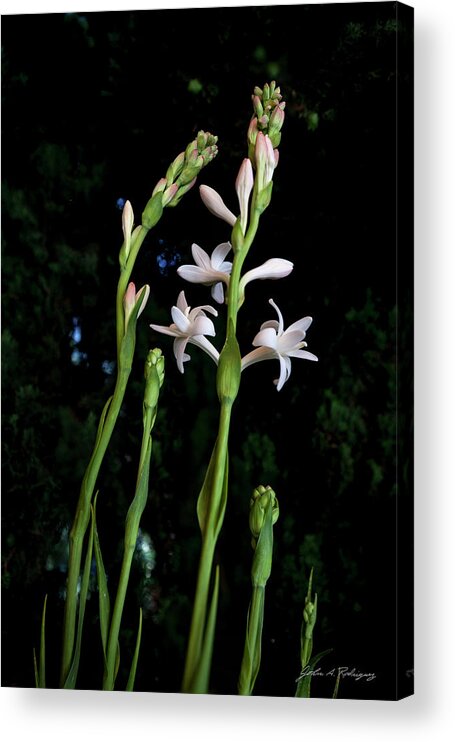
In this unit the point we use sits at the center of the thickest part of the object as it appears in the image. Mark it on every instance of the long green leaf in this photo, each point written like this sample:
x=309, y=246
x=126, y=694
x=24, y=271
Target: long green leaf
x=102, y=420
x=103, y=593
x=71, y=678
x=132, y=675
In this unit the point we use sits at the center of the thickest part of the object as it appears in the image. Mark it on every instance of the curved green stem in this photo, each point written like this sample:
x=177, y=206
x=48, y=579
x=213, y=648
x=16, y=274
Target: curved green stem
x=79, y=528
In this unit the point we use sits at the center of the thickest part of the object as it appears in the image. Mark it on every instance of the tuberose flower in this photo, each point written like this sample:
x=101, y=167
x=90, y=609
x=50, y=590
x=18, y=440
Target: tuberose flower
x=209, y=270
x=190, y=326
x=273, y=341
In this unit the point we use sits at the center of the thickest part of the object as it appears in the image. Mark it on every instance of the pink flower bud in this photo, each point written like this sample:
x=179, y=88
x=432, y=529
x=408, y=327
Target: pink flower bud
x=244, y=185
x=216, y=205
x=265, y=160
x=127, y=226
x=160, y=186
x=131, y=300
x=169, y=193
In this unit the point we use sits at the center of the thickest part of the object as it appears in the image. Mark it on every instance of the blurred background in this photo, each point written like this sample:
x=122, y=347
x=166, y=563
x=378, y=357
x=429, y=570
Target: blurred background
x=95, y=107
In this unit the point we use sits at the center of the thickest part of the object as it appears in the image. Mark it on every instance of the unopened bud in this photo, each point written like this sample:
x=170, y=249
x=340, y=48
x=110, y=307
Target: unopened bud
x=257, y=105
x=154, y=377
x=169, y=194
x=181, y=192
x=258, y=506
x=276, y=119
x=175, y=168
x=153, y=210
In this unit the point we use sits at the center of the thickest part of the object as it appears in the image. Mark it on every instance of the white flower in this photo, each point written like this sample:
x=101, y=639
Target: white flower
x=209, y=270
x=273, y=341
x=190, y=326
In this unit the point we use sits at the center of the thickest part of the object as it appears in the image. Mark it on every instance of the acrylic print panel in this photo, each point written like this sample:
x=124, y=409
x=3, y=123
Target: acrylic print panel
x=207, y=448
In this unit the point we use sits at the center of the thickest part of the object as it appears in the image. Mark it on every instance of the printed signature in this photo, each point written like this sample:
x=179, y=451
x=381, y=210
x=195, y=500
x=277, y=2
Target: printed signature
x=342, y=672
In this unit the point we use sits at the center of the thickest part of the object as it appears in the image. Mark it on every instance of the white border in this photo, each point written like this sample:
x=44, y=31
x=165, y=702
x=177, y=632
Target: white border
x=57, y=715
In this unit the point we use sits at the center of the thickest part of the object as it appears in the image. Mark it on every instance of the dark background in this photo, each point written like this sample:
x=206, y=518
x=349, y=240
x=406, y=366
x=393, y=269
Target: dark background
x=95, y=107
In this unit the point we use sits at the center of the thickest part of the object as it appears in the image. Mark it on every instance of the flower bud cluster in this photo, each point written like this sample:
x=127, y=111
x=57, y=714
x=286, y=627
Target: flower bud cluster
x=154, y=376
x=268, y=116
x=180, y=176
x=258, y=505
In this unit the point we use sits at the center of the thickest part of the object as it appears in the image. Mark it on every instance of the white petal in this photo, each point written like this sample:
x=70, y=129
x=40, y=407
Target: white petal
x=285, y=372
x=270, y=323
x=181, y=302
x=172, y=330
x=200, y=257
x=267, y=338
x=305, y=354
x=273, y=268
x=195, y=274
x=201, y=310
x=218, y=292
x=219, y=254
x=202, y=325
x=301, y=324
x=216, y=205
x=206, y=346
x=180, y=319
x=289, y=340
x=179, y=352
x=259, y=354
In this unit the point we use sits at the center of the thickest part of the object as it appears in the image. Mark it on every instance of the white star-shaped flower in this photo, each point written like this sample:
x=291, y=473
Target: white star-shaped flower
x=190, y=326
x=210, y=270
x=273, y=341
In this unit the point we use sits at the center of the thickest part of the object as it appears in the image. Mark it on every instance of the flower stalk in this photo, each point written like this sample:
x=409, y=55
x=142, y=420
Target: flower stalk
x=154, y=375
x=212, y=499
x=264, y=512
x=182, y=174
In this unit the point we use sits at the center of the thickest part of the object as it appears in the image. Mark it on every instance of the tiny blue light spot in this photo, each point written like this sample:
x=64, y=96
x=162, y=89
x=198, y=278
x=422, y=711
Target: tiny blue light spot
x=120, y=203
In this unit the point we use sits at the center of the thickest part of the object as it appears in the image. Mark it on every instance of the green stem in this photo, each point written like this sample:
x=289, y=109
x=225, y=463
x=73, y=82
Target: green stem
x=215, y=513
x=79, y=528
x=131, y=533
x=125, y=276
x=252, y=653
x=209, y=538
